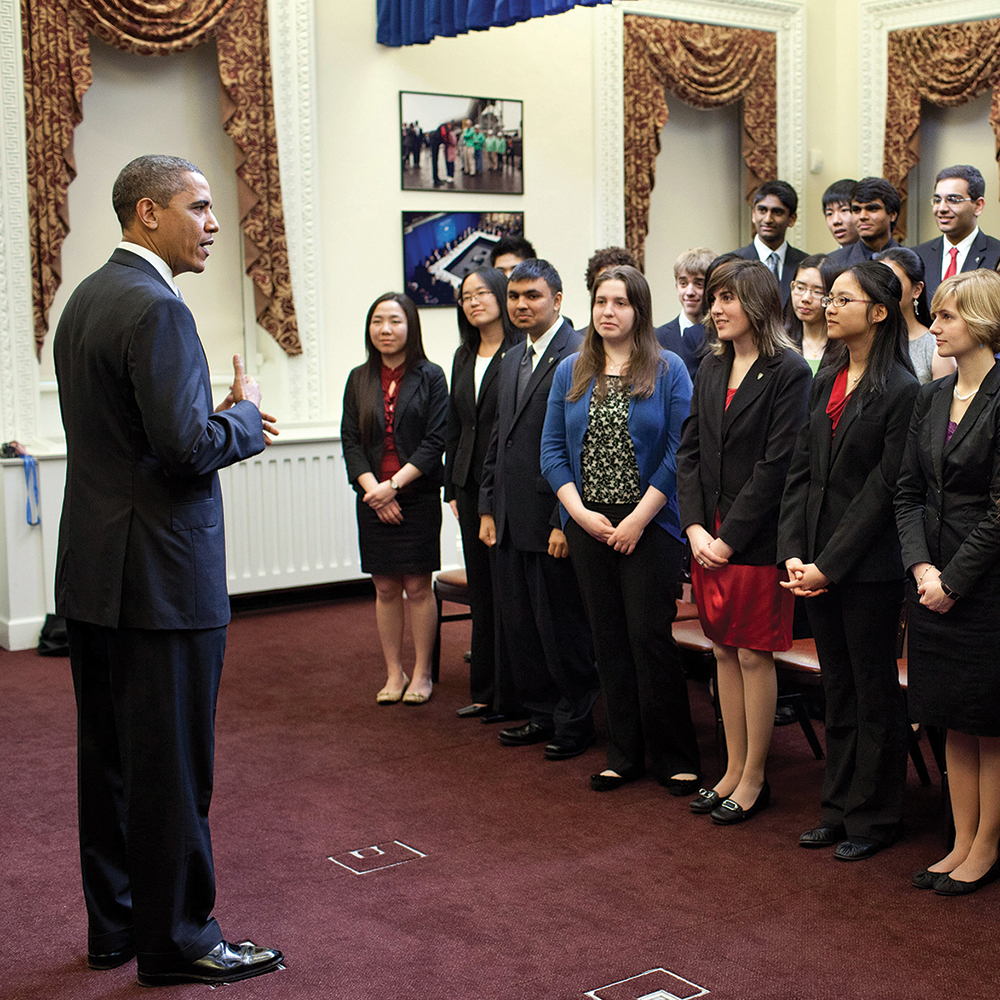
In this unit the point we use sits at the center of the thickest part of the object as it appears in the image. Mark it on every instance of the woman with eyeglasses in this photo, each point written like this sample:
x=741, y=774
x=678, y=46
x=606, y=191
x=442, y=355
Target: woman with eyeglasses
x=837, y=540
x=486, y=332
x=749, y=402
x=949, y=527
x=909, y=268
x=805, y=317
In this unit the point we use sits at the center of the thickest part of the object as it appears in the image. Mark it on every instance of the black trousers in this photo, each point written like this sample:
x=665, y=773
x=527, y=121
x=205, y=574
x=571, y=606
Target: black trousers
x=631, y=604
x=146, y=742
x=545, y=628
x=855, y=626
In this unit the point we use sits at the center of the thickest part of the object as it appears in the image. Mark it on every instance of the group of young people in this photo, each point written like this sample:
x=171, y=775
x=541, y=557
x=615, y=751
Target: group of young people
x=805, y=459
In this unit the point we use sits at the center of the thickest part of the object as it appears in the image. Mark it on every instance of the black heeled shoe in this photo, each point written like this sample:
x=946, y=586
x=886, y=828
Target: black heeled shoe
x=730, y=812
x=609, y=782
x=706, y=801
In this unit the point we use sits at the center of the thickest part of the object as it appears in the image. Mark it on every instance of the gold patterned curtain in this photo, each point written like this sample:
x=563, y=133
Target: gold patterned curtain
x=57, y=73
x=945, y=65
x=708, y=66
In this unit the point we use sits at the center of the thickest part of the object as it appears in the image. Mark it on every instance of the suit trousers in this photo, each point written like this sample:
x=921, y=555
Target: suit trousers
x=856, y=626
x=146, y=742
x=545, y=628
x=631, y=604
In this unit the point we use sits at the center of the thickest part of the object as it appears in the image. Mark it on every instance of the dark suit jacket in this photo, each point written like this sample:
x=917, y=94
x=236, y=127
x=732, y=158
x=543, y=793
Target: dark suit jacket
x=735, y=459
x=946, y=498
x=792, y=257
x=837, y=510
x=141, y=541
x=470, y=418
x=984, y=252
x=418, y=426
x=854, y=253
x=513, y=488
x=688, y=348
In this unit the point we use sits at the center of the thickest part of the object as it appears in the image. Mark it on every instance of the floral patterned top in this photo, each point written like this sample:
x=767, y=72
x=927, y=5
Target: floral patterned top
x=609, y=470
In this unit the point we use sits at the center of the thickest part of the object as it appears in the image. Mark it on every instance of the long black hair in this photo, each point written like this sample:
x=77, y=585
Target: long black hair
x=496, y=281
x=370, y=384
x=913, y=267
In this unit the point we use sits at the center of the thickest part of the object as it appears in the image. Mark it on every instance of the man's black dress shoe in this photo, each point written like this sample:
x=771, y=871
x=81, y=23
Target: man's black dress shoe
x=730, y=812
x=609, y=782
x=859, y=848
x=822, y=836
x=524, y=736
x=472, y=711
x=103, y=961
x=225, y=963
x=948, y=886
x=565, y=747
x=706, y=801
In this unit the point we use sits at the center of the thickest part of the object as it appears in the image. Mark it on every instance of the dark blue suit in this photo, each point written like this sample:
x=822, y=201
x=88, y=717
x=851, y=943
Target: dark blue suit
x=984, y=252
x=141, y=580
x=688, y=348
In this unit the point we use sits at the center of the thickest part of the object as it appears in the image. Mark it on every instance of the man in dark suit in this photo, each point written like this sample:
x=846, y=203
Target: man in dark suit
x=875, y=205
x=775, y=204
x=959, y=198
x=685, y=335
x=141, y=581
x=543, y=620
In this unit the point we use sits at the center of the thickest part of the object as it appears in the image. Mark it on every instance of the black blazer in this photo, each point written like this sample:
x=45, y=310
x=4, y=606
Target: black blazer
x=418, y=426
x=837, y=510
x=792, y=257
x=470, y=418
x=984, y=252
x=513, y=488
x=946, y=499
x=688, y=348
x=141, y=540
x=854, y=253
x=735, y=459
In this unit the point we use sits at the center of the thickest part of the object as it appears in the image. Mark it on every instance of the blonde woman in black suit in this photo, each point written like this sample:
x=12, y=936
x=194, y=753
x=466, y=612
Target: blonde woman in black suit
x=749, y=402
x=949, y=527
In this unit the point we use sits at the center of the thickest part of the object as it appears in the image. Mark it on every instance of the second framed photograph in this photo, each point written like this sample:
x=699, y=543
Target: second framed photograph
x=453, y=143
x=441, y=248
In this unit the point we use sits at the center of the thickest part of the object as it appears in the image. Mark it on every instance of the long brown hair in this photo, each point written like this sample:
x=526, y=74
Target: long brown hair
x=755, y=286
x=644, y=359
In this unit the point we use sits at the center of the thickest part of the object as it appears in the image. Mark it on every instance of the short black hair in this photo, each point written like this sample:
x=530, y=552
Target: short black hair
x=839, y=192
x=535, y=267
x=517, y=245
x=969, y=174
x=782, y=190
x=153, y=176
x=872, y=188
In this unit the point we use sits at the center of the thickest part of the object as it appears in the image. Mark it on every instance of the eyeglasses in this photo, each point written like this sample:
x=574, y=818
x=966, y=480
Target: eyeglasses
x=800, y=289
x=838, y=300
x=467, y=300
x=952, y=199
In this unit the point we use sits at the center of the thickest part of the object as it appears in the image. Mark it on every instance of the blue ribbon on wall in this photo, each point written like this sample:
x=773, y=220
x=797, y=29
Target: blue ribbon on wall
x=416, y=22
x=31, y=481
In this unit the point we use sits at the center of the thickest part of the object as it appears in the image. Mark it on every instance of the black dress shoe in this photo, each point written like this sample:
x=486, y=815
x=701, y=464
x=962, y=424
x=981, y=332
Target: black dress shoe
x=472, y=711
x=926, y=879
x=491, y=717
x=225, y=963
x=609, y=782
x=945, y=885
x=822, y=836
x=109, y=959
x=859, y=848
x=730, y=812
x=681, y=786
x=566, y=747
x=706, y=801
x=524, y=736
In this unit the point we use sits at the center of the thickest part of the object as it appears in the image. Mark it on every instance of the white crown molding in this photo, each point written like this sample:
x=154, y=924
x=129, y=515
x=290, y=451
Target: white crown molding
x=293, y=75
x=877, y=19
x=786, y=18
x=18, y=367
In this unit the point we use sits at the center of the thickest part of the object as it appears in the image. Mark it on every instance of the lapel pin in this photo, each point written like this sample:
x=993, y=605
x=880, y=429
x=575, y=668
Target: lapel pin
x=760, y=374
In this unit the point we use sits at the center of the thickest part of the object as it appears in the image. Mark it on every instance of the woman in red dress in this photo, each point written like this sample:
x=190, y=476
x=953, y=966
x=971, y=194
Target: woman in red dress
x=749, y=401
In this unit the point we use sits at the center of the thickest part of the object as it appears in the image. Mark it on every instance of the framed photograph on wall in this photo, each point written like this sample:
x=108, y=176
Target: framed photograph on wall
x=454, y=143
x=441, y=248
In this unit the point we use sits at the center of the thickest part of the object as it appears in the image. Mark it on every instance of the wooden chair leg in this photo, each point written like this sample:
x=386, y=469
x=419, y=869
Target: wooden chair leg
x=917, y=756
x=802, y=716
x=436, y=655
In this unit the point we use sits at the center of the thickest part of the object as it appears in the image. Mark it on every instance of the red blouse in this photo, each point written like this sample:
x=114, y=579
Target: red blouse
x=391, y=377
x=838, y=399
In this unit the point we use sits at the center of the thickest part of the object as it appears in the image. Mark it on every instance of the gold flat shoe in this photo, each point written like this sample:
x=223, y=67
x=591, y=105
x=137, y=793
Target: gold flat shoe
x=416, y=698
x=387, y=697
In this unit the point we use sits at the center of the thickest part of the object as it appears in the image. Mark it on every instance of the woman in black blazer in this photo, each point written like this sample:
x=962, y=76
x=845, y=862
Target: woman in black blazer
x=837, y=539
x=395, y=411
x=486, y=332
x=749, y=402
x=949, y=527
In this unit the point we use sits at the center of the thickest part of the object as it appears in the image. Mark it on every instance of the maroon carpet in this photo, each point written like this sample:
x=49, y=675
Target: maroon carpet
x=504, y=876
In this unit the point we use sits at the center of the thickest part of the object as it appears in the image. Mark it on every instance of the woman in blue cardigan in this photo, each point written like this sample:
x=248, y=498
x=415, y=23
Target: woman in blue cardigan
x=608, y=450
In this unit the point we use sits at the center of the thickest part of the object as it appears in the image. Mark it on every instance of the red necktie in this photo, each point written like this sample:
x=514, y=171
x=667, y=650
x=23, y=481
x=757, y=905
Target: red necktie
x=953, y=266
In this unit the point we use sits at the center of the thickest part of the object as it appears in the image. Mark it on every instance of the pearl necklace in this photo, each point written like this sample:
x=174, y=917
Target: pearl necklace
x=964, y=398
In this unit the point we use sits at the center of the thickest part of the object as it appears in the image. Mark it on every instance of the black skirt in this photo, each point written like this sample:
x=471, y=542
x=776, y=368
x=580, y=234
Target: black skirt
x=411, y=548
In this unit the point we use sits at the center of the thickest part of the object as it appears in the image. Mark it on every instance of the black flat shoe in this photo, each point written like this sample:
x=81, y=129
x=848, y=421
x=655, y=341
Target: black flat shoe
x=609, y=782
x=822, y=836
x=925, y=879
x=225, y=963
x=102, y=961
x=945, y=885
x=730, y=812
x=472, y=711
x=706, y=801
x=681, y=786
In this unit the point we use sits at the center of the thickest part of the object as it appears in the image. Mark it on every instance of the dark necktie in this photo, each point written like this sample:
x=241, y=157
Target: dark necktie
x=772, y=263
x=524, y=372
